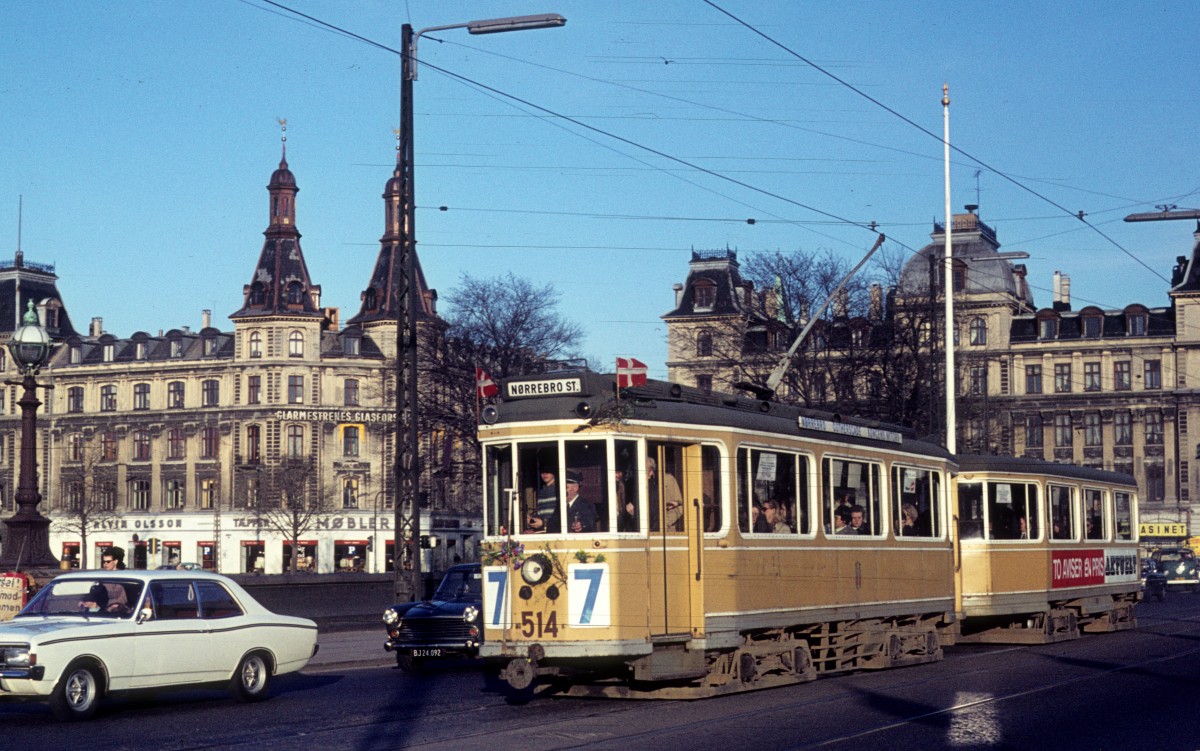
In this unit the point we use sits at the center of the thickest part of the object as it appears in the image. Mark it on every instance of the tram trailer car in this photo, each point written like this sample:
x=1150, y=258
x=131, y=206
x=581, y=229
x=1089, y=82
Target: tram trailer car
x=1047, y=550
x=660, y=541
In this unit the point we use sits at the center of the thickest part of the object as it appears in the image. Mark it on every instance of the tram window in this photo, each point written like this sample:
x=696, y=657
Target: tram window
x=630, y=510
x=1124, y=515
x=538, y=478
x=1012, y=511
x=772, y=492
x=1095, y=514
x=664, y=499
x=970, y=511
x=587, y=505
x=854, y=486
x=1062, y=512
x=498, y=491
x=710, y=488
x=916, y=494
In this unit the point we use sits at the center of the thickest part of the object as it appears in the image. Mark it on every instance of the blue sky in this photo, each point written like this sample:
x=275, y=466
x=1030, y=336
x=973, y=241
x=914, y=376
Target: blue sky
x=142, y=136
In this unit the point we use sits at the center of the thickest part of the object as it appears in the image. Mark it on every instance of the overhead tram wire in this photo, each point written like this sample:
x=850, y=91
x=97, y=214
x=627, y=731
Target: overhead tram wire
x=1079, y=215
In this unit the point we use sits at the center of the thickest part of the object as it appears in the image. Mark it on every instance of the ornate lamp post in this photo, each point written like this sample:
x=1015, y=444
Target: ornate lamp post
x=27, y=540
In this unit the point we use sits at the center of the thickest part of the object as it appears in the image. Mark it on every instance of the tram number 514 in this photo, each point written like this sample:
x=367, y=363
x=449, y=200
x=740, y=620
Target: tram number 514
x=539, y=625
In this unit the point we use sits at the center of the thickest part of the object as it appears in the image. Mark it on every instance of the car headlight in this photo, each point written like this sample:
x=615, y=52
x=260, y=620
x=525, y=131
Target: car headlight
x=17, y=657
x=470, y=613
x=535, y=569
x=391, y=617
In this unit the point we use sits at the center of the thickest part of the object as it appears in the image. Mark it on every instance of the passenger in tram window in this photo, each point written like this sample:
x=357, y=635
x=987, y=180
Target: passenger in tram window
x=858, y=520
x=581, y=514
x=627, y=519
x=908, y=521
x=771, y=521
x=672, y=498
x=1022, y=528
x=545, y=516
x=842, y=525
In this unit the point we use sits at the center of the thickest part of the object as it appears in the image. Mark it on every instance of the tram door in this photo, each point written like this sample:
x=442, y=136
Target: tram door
x=673, y=524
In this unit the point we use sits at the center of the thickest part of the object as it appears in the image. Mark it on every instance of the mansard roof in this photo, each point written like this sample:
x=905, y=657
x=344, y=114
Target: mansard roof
x=22, y=281
x=718, y=274
x=1186, y=277
x=1114, y=325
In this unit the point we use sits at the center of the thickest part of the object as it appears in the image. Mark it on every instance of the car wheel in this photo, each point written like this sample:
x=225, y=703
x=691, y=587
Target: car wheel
x=252, y=678
x=408, y=663
x=77, y=695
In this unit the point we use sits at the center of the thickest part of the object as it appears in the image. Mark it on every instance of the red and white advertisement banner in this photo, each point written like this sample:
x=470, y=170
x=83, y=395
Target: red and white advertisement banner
x=1081, y=568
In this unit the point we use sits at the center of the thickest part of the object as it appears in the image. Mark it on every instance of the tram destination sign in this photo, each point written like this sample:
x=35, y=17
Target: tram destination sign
x=548, y=387
x=841, y=428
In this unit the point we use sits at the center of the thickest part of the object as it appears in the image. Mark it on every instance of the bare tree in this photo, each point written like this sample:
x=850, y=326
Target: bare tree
x=291, y=500
x=88, y=495
x=509, y=322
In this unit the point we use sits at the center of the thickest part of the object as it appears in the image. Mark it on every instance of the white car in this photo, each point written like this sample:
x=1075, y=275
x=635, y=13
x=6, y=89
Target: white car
x=89, y=634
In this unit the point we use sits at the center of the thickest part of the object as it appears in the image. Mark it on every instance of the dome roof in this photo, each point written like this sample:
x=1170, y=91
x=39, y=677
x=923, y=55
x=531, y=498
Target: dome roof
x=282, y=177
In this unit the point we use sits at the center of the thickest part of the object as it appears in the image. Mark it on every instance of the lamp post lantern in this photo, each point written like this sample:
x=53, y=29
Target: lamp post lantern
x=27, y=539
x=407, y=507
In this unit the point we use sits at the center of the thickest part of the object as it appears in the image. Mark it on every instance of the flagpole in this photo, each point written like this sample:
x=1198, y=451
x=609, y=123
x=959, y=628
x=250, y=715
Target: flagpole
x=948, y=282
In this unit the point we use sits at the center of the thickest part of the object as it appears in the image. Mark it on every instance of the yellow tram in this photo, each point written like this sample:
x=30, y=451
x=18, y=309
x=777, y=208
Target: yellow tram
x=1046, y=550
x=664, y=542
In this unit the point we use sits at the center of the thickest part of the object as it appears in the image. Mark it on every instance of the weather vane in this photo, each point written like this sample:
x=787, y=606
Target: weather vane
x=282, y=127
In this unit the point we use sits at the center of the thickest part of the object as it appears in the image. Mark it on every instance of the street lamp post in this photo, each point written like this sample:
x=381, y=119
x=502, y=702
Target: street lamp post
x=408, y=523
x=27, y=542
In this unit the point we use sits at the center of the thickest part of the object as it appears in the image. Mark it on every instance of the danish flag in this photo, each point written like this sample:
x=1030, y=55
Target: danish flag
x=484, y=385
x=630, y=372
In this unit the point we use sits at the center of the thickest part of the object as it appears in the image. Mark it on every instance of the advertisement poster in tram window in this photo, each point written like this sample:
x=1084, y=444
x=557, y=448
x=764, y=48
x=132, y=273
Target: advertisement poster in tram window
x=12, y=595
x=1081, y=568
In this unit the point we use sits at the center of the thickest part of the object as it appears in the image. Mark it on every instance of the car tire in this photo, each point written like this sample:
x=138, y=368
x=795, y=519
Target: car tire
x=77, y=695
x=252, y=679
x=408, y=663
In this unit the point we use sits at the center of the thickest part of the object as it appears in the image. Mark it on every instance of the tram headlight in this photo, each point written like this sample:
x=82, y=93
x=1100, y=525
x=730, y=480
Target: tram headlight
x=490, y=414
x=583, y=409
x=470, y=613
x=536, y=569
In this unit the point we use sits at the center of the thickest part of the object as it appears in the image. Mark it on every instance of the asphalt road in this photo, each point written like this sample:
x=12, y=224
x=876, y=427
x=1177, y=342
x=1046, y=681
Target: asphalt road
x=1129, y=691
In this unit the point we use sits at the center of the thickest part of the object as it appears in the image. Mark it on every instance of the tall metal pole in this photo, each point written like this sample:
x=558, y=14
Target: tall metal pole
x=948, y=282
x=407, y=507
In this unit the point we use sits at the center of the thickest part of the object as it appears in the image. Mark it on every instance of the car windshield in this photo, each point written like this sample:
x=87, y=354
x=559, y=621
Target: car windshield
x=105, y=597
x=460, y=584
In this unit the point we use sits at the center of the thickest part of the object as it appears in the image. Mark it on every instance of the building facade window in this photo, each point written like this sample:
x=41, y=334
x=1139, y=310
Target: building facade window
x=175, y=395
x=1033, y=431
x=173, y=494
x=210, y=392
x=978, y=379
x=295, y=440
x=704, y=344
x=1062, y=431
x=106, y=494
x=1122, y=428
x=351, y=392
x=141, y=445
x=351, y=345
x=1091, y=429
x=207, y=493
x=705, y=294
x=1062, y=378
x=176, y=348
x=176, y=444
x=75, y=444
x=108, y=398
x=210, y=346
x=108, y=446
x=1137, y=324
x=254, y=389
x=139, y=495
x=1092, y=327
x=1122, y=375
x=75, y=399
x=350, y=445
x=1152, y=372
x=1048, y=328
x=1091, y=376
x=1154, y=428
x=1033, y=379
x=350, y=492
x=139, y=351
x=110, y=351
x=210, y=438
x=253, y=444
x=977, y=333
x=254, y=346
x=295, y=344
x=295, y=389
x=141, y=396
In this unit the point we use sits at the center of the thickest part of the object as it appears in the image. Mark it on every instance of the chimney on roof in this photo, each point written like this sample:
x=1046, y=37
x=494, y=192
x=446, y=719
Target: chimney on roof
x=1062, y=292
x=205, y=319
x=678, y=293
x=876, y=302
x=97, y=327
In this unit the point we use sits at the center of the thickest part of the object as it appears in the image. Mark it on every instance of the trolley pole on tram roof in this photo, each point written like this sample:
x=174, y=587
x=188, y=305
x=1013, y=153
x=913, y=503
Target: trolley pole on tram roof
x=407, y=526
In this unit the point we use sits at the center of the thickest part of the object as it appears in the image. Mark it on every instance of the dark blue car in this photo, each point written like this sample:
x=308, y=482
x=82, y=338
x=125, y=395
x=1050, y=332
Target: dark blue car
x=449, y=625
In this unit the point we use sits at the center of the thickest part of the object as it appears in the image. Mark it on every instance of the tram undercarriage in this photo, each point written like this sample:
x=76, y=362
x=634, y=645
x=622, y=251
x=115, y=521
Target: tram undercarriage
x=763, y=659
x=1062, y=621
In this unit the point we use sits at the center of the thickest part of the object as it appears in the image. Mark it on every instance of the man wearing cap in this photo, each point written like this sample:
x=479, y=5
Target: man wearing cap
x=581, y=514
